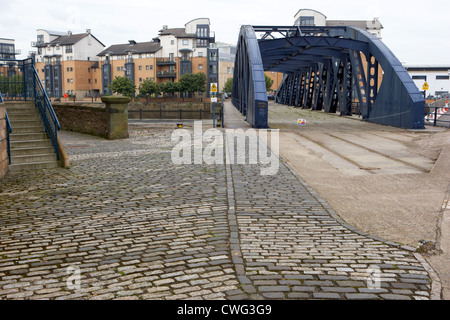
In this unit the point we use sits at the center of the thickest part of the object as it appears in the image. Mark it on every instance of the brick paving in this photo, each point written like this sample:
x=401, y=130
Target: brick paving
x=137, y=226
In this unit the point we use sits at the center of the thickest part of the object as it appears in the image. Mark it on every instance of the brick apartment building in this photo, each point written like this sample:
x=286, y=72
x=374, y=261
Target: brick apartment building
x=68, y=63
x=175, y=52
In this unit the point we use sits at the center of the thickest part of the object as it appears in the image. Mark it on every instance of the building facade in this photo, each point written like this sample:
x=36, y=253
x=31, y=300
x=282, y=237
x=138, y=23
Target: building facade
x=8, y=49
x=313, y=18
x=175, y=52
x=67, y=63
x=437, y=78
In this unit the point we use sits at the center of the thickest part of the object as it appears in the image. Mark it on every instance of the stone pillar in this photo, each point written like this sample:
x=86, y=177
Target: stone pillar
x=117, y=112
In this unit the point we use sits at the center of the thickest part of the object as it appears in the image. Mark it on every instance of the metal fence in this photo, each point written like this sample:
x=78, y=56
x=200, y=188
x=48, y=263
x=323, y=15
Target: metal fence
x=16, y=79
x=437, y=116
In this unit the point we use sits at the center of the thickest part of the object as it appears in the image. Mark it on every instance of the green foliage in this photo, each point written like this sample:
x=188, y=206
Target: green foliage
x=190, y=82
x=11, y=85
x=228, y=87
x=269, y=82
x=149, y=88
x=170, y=87
x=123, y=86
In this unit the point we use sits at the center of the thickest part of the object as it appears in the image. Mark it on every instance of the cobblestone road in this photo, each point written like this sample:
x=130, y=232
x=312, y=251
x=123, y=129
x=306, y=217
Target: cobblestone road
x=136, y=226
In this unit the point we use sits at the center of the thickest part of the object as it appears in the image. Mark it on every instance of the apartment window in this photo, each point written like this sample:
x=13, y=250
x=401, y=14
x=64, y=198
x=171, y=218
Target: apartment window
x=442, y=77
x=89, y=69
x=140, y=56
x=118, y=68
x=151, y=67
x=89, y=80
x=171, y=56
x=95, y=81
x=71, y=69
x=185, y=42
x=68, y=69
x=200, y=54
x=172, y=42
x=140, y=67
x=228, y=70
x=140, y=79
x=306, y=21
x=200, y=67
x=147, y=67
x=69, y=49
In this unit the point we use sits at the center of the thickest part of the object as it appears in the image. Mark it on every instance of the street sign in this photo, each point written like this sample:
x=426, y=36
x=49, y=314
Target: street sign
x=425, y=87
x=213, y=99
x=213, y=87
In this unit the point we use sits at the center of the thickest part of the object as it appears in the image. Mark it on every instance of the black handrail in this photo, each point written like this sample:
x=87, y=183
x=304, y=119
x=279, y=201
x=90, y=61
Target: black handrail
x=42, y=102
x=8, y=132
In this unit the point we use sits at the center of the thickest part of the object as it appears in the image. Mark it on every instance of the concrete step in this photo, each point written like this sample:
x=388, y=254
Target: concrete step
x=31, y=129
x=33, y=166
x=19, y=106
x=34, y=158
x=25, y=123
x=27, y=136
x=24, y=116
x=25, y=144
x=48, y=149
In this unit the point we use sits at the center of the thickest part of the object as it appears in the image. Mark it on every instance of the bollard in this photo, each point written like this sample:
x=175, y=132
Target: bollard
x=117, y=112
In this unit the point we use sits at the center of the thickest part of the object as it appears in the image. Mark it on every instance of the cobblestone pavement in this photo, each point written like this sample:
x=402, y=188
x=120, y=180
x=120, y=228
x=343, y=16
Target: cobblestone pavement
x=136, y=226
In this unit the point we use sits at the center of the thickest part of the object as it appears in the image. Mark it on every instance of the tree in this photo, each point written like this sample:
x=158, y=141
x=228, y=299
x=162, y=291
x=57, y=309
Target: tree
x=228, y=87
x=170, y=87
x=148, y=88
x=123, y=86
x=190, y=82
x=269, y=82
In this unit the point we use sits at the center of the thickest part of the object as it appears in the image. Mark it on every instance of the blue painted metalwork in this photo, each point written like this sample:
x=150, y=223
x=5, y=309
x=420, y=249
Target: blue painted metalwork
x=8, y=132
x=327, y=68
x=23, y=83
x=48, y=116
x=251, y=97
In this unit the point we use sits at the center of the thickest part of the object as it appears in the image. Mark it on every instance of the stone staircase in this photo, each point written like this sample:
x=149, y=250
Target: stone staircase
x=30, y=146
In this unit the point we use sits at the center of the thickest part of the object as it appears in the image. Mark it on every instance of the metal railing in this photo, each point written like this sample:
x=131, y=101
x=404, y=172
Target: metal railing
x=8, y=132
x=437, y=116
x=42, y=103
x=19, y=80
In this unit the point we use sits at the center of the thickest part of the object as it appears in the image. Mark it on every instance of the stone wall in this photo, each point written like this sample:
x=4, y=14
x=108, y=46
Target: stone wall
x=3, y=143
x=84, y=118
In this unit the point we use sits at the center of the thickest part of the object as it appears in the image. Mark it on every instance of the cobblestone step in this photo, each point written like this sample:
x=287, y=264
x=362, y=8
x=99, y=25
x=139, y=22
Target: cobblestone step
x=33, y=158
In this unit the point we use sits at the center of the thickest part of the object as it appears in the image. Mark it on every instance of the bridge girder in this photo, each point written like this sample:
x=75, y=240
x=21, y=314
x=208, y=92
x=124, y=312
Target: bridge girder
x=325, y=68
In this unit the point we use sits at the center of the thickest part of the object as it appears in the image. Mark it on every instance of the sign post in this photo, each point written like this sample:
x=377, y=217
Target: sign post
x=425, y=87
x=214, y=100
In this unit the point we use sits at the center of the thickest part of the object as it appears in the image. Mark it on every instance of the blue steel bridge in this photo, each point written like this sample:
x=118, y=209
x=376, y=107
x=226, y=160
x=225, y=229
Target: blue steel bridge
x=325, y=68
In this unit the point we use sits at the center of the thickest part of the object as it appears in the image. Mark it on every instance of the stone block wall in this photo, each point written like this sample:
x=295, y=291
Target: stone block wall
x=84, y=118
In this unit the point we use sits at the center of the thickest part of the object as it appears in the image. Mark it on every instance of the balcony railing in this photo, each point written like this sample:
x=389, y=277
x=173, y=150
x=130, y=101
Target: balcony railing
x=166, y=74
x=165, y=62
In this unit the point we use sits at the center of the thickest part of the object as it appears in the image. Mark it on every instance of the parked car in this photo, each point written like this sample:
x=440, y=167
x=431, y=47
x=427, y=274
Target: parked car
x=270, y=96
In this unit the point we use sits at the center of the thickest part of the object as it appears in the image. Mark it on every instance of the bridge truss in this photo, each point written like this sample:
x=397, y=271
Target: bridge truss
x=325, y=68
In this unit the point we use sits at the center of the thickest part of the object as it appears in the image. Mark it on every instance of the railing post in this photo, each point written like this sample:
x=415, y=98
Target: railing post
x=435, y=115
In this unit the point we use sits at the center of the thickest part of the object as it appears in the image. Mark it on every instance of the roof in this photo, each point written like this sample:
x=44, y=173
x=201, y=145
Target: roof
x=70, y=39
x=362, y=24
x=53, y=33
x=177, y=32
x=142, y=47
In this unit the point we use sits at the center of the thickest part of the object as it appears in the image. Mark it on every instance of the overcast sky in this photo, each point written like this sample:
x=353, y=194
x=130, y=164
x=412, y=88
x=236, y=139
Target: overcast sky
x=417, y=31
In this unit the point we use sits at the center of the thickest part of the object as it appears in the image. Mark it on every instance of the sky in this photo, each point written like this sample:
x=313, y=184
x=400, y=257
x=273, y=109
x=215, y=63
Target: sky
x=416, y=31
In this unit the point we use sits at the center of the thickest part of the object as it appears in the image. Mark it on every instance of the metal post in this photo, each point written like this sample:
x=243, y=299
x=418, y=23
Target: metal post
x=435, y=115
x=214, y=111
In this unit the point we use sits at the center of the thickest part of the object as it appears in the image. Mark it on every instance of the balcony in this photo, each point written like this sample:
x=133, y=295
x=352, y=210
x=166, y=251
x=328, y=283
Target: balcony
x=165, y=62
x=166, y=74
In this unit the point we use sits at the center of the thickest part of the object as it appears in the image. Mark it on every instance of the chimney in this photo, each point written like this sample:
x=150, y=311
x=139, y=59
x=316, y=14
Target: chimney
x=132, y=42
x=165, y=27
x=69, y=33
x=88, y=31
